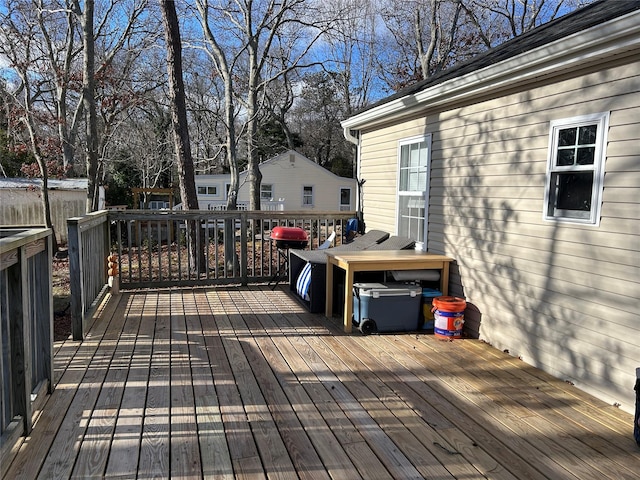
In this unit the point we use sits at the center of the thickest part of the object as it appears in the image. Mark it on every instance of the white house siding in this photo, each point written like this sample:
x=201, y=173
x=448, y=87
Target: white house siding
x=288, y=179
x=563, y=297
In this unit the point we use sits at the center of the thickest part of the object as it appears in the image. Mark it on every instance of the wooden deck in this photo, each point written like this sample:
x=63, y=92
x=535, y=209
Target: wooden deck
x=243, y=383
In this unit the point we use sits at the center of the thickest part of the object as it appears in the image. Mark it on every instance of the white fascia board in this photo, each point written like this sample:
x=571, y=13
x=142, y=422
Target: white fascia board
x=600, y=41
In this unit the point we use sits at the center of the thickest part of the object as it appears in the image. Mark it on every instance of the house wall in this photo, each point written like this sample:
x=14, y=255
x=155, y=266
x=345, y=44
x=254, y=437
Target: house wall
x=563, y=297
x=288, y=179
x=24, y=207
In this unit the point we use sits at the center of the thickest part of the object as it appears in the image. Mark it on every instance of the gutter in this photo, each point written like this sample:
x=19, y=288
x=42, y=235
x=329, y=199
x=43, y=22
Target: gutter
x=602, y=41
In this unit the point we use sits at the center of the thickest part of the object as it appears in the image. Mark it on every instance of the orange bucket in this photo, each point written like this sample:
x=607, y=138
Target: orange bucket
x=448, y=313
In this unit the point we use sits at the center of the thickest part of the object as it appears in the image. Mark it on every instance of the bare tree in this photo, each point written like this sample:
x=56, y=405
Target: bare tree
x=426, y=37
x=180, y=127
x=254, y=43
x=25, y=58
x=89, y=102
x=499, y=20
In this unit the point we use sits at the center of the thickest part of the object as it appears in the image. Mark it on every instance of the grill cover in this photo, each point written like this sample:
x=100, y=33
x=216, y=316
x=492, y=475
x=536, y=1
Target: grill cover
x=289, y=237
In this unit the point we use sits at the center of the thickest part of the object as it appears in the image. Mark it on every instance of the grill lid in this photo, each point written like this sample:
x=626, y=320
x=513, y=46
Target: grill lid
x=289, y=237
x=295, y=234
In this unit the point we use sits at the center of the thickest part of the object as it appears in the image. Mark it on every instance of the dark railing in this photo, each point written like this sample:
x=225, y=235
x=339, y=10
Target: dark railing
x=232, y=246
x=26, y=331
x=152, y=249
x=88, y=251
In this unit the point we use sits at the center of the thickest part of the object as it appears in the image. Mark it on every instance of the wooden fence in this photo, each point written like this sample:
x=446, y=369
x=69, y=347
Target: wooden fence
x=26, y=331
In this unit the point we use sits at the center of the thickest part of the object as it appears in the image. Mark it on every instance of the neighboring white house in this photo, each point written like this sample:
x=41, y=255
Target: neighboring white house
x=21, y=204
x=523, y=164
x=290, y=181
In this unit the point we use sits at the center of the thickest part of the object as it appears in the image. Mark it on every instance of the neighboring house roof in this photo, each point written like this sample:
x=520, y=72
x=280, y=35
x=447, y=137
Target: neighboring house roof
x=286, y=154
x=53, y=184
x=596, y=31
x=272, y=161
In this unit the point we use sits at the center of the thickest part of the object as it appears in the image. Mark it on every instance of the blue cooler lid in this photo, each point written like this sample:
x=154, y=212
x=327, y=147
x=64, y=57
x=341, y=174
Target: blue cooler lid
x=430, y=293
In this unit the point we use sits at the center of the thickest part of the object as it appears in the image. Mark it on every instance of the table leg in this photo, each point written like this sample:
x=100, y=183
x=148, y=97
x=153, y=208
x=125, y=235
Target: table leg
x=444, y=279
x=328, y=306
x=348, y=300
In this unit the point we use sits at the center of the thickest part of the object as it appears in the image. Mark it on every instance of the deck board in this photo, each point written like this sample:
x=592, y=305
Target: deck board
x=243, y=383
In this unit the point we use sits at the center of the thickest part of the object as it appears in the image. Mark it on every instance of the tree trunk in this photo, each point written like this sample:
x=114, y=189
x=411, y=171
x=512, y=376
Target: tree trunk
x=88, y=98
x=181, y=131
x=253, y=164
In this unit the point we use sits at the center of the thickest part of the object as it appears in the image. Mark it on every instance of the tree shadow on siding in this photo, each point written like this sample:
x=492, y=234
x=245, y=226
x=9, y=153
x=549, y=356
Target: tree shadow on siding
x=486, y=211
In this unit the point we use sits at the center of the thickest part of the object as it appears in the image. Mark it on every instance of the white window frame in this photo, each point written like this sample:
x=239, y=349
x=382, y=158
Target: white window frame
x=424, y=194
x=306, y=196
x=344, y=207
x=263, y=191
x=551, y=212
x=210, y=190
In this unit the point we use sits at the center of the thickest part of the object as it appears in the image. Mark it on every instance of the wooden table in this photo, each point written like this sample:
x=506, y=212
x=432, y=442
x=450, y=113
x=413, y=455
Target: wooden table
x=379, y=260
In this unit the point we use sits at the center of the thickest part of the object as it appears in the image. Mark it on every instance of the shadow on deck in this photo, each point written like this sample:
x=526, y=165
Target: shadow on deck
x=234, y=382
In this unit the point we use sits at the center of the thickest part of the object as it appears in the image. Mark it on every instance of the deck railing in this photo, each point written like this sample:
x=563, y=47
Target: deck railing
x=152, y=247
x=233, y=246
x=88, y=251
x=26, y=330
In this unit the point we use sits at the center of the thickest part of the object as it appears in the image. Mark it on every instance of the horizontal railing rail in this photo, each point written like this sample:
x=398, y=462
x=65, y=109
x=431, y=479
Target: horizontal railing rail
x=26, y=331
x=232, y=246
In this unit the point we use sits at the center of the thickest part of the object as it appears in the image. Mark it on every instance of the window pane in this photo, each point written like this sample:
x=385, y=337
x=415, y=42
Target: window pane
x=202, y=190
x=587, y=135
x=404, y=156
x=411, y=217
x=566, y=137
x=307, y=195
x=565, y=157
x=404, y=179
x=415, y=155
x=345, y=196
x=574, y=191
x=586, y=155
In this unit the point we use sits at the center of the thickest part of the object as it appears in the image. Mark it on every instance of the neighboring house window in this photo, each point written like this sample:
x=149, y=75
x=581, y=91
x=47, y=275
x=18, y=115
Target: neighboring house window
x=209, y=190
x=266, y=191
x=412, y=187
x=575, y=168
x=345, y=199
x=307, y=195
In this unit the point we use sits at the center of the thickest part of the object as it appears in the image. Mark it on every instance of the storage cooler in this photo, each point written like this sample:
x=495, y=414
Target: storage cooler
x=386, y=307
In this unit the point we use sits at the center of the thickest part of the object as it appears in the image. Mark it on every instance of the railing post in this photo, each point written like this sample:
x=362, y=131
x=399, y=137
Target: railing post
x=75, y=278
x=18, y=290
x=244, y=224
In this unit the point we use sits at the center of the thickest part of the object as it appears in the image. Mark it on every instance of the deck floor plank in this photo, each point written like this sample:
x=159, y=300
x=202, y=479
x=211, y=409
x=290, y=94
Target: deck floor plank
x=185, y=453
x=32, y=455
x=306, y=363
x=272, y=448
x=243, y=451
x=68, y=440
x=243, y=383
x=125, y=445
x=303, y=415
x=155, y=444
x=557, y=409
x=214, y=451
x=500, y=422
x=516, y=418
x=551, y=422
x=94, y=450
